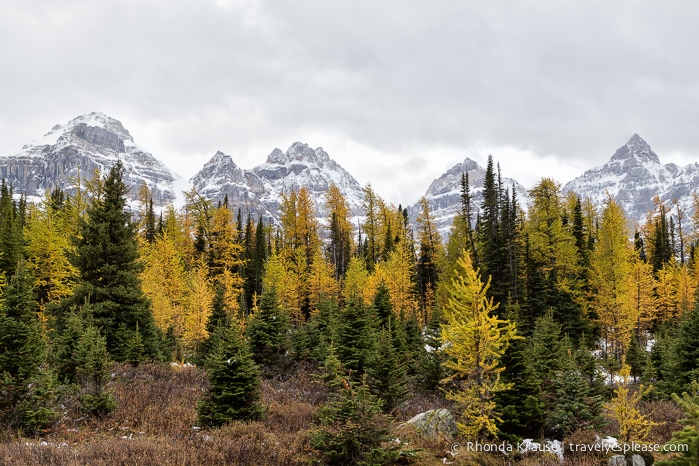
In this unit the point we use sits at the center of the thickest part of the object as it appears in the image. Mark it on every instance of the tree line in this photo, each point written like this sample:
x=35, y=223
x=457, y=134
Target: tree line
x=523, y=318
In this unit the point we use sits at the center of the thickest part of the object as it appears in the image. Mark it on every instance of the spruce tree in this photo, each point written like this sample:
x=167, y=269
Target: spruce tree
x=382, y=305
x=689, y=435
x=387, y=371
x=267, y=330
x=107, y=258
x=314, y=339
x=11, y=225
x=520, y=406
x=92, y=372
x=353, y=428
x=492, y=253
x=26, y=384
x=545, y=354
x=431, y=358
x=686, y=350
x=576, y=404
x=22, y=347
x=356, y=342
x=234, y=379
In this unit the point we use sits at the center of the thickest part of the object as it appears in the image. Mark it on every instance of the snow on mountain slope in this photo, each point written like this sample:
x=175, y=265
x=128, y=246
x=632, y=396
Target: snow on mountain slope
x=444, y=194
x=78, y=148
x=221, y=177
x=259, y=191
x=633, y=177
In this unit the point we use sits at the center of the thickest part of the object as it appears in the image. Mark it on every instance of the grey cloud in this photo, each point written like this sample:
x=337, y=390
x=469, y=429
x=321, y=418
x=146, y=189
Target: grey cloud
x=566, y=79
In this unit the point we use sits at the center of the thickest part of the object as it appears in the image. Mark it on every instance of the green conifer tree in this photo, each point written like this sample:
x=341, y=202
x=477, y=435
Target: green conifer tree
x=387, y=371
x=234, y=380
x=267, y=330
x=686, y=351
x=22, y=347
x=575, y=404
x=689, y=435
x=11, y=224
x=313, y=340
x=92, y=372
x=353, y=428
x=107, y=258
x=356, y=342
x=26, y=384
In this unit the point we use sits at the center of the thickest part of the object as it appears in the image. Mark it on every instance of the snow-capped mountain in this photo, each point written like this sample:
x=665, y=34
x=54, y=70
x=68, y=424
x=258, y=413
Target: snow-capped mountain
x=78, y=148
x=633, y=177
x=444, y=194
x=259, y=191
x=221, y=178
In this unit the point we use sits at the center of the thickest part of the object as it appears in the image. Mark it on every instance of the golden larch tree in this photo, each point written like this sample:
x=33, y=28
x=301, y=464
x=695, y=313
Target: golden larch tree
x=355, y=286
x=200, y=295
x=612, y=262
x=47, y=245
x=475, y=340
x=397, y=273
x=321, y=283
x=164, y=281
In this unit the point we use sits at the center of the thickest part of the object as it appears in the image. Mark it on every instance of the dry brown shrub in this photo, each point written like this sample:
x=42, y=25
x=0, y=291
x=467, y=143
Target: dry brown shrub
x=582, y=437
x=667, y=414
x=419, y=402
x=156, y=399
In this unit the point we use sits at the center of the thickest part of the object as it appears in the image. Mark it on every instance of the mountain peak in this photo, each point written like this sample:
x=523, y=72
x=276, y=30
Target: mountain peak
x=89, y=142
x=106, y=128
x=298, y=152
x=637, y=149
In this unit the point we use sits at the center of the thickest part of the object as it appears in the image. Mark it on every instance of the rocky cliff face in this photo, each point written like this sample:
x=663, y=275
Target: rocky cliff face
x=85, y=144
x=259, y=191
x=221, y=178
x=633, y=177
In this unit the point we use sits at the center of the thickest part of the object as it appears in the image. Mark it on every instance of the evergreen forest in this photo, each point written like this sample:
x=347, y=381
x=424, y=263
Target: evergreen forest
x=205, y=336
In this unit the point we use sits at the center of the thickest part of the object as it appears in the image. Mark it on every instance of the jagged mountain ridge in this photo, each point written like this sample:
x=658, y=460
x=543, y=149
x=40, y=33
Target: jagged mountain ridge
x=78, y=148
x=444, y=194
x=258, y=192
x=96, y=141
x=633, y=177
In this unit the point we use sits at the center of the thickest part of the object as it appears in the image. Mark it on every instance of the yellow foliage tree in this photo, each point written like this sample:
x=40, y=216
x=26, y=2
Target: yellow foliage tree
x=164, y=282
x=355, y=286
x=642, y=302
x=667, y=292
x=686, y=288
x=47, y=245
x=475, y=341
x=551, y=243
x=200, y=296
x=321, y=282
x=634, y=426
x=299, y=225
x=340, y=226
x=397, y=274
x=225, y=253
x=278, y=275
x=610, y=277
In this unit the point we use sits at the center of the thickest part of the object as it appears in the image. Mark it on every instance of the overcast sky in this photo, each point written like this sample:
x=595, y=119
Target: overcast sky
x=395, y=91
